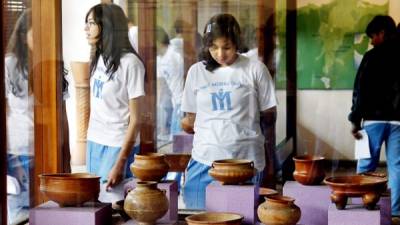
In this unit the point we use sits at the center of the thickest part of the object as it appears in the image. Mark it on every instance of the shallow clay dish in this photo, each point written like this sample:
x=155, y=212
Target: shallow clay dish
x=309, y=170
x=368, y=187
x=232, y=171
x=214, y=218
x=70, y=189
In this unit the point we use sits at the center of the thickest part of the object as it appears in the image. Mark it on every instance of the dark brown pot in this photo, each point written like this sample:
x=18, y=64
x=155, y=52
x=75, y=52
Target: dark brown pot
x=70, y=189
x=146, y=203
x=149, y=166
x=369, y=188
x=309, y=170
x=278, y=210
x=232, y=171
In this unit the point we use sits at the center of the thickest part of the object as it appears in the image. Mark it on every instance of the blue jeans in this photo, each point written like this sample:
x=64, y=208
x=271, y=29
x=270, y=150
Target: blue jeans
x=101, y=158
x=390, y=134
x=196, y=181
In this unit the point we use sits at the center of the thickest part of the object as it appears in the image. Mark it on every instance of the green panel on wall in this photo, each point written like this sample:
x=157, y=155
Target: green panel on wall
x=331, y=41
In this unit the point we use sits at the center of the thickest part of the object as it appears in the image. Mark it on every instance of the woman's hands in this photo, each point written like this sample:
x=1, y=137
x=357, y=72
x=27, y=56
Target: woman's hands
x=187, y=123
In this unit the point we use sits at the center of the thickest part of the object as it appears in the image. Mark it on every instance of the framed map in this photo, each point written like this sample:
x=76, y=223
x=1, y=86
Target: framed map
x=331, y=41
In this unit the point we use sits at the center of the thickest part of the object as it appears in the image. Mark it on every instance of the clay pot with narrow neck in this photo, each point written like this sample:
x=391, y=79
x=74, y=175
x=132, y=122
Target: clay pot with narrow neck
x=149, y=166
x=146, y=203
x=309, y=170
x=278, y=210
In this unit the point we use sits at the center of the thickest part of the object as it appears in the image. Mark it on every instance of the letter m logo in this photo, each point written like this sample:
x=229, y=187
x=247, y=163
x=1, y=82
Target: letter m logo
x=220, y=100
x=97, y=88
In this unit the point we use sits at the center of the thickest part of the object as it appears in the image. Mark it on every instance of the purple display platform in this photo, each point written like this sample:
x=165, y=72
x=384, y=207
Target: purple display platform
x=355, y=214
x=132, y=222
x=49, y=213
x=182, y=142
x=242, y=199
x=384, y=204
x=171, y=188
x=313, y=200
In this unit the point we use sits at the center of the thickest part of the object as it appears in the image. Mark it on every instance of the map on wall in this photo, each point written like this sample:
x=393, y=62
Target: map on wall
x=331, y=41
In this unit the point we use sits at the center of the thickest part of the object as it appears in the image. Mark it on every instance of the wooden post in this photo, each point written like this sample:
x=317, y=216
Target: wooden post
x=3, y=137
x=147, y=49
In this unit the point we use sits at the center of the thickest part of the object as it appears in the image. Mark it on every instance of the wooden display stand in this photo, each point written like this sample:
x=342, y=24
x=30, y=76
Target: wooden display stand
x=313, y=201
x=242, y=199
x=49, y=213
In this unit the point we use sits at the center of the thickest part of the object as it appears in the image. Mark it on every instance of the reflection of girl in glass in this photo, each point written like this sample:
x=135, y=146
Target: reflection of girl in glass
x=116, y=85
x=20, y=146
x=227, y=96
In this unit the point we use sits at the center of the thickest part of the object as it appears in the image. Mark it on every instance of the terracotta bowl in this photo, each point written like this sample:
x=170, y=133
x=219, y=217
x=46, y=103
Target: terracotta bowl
x=70, y=189
x=368, y=187
x=149, y=166
x=309, y=170
x=232, y=171
x=214, y=218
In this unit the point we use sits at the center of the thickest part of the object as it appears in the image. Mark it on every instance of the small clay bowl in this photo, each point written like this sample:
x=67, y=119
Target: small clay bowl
x=232, y=171
x=309, y=170
x=369, y=188
x=214, y=218
x=70, y=189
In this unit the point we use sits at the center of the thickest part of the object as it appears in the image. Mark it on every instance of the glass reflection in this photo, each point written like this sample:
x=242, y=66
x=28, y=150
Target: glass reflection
x=19, y=109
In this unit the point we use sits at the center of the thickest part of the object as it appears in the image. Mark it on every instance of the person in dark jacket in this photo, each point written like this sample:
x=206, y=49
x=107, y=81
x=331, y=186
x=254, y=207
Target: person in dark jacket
x=376, y=102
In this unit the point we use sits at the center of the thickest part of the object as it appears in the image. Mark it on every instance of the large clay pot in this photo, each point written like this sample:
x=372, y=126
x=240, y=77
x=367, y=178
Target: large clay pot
x=278, y=210
x=369, y=188
x=70, y=189
x=146, y=203
x=232, y=171
x=149, y=166
x=309, y=170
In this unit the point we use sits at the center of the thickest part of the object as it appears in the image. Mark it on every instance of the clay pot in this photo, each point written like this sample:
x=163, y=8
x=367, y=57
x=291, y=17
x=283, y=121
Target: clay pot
x=309, y=170
x=149, y=166
x=278, y=210
x=70, y=189
x=146, y=203
x=232, y=171
x=214, y=218
x=369, y=188
x=187, y=125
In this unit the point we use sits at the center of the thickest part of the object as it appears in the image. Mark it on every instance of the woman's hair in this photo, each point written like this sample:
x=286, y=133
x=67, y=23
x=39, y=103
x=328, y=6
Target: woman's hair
x=162, y=36
x=221, y=25
x=18, y=46
x=113, y=40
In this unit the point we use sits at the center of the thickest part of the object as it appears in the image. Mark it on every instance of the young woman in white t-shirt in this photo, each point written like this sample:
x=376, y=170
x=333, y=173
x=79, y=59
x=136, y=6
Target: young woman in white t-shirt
x=116, y=87
x=226, y=96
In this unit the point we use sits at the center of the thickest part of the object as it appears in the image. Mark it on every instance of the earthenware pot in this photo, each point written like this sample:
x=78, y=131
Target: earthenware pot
x=232, y=171
x=309, y=170
x=214, y=218
x=70, y=189
x=146, y=203
x=278, y=210
x=149, y=166
x=369, y=188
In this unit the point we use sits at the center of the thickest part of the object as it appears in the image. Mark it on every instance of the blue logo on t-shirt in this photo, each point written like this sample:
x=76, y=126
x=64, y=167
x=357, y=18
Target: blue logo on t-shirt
x=219, y=99
x=98, y=88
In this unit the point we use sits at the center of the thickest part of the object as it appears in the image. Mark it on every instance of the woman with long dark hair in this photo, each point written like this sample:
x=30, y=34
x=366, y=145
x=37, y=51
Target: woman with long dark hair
x=116, y=87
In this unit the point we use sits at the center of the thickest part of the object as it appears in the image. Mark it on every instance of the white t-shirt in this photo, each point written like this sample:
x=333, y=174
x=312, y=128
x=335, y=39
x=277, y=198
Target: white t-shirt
x=133, y=37
x=20, y=134
x=177, y=44
x=170, y=68
x=109, y=100
x=227, y=103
